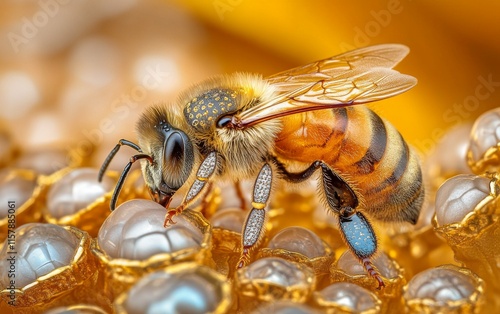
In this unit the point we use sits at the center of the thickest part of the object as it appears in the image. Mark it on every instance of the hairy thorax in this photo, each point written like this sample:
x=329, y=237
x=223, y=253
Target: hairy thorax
x=245, y=151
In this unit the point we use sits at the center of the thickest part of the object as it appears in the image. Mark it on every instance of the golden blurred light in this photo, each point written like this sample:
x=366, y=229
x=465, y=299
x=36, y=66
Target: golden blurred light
x=95, y=61
x=14, y=103
x=157, y=73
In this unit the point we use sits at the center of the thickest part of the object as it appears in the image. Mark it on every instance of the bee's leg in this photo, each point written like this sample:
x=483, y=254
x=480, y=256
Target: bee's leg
x=355, y=228
x=253, y=230
x=361, y=240
x=112, y=154
x=240, y=195
x=204, y=199
x=205, y=171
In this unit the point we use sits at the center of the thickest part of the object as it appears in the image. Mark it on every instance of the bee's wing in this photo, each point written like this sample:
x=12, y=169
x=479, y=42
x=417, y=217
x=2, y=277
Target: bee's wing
x=355, y=77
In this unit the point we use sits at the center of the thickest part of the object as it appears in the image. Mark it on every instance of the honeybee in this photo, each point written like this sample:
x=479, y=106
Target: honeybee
x=242, y=126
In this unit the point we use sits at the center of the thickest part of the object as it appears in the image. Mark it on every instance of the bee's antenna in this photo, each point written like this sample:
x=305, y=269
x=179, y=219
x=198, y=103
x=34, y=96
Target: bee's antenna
x=119, y=184
x=112, y=154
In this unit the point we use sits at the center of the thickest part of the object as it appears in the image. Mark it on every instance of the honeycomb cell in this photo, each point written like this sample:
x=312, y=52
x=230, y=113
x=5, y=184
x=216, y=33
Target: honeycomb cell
x=277, y=271
x=485, y=135
x=351, y=265
x=300, y=240
x=348, y=295
x=440, y=285
x=285, y=307
x=44, y=161
x=458, y=196
x=230, y=219
x=184, y=288
x=41, y=248
x=14, y=186
x=76, y=190
x=135, y=231
x=449, y=155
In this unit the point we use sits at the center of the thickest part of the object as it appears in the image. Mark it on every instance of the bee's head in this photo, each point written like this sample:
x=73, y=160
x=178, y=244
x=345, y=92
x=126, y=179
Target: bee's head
x=171, y=150
x=166, y=152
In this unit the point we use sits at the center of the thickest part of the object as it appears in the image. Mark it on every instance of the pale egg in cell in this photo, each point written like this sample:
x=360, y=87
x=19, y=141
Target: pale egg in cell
x=351, y=296
x=350, y=264
x=135, y=231
x=485, y=134
x=459, y=196
x=229, y=218
x=440, y=285
x=44, y=161
x=276, y=271
x=16, y=188
x=40, y=249
x=449, y=155
x=77, y=190
x=197, y=289
x=299, y=240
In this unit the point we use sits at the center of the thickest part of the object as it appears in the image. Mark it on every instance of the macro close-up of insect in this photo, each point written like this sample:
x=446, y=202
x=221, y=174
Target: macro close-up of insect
x=307, y=122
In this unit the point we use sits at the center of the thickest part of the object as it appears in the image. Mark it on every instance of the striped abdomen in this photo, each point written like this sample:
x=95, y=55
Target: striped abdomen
x=367, y=151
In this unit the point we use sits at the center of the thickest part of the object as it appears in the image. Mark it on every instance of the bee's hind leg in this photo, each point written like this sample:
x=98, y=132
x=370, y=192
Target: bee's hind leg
x=361, y=240
x=253, y=229
x=356, y=230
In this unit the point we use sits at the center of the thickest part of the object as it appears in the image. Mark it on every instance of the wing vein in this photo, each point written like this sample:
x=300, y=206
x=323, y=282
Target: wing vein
x=355, y=77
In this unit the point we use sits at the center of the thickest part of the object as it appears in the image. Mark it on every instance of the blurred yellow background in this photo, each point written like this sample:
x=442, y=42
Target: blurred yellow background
x=78, y=73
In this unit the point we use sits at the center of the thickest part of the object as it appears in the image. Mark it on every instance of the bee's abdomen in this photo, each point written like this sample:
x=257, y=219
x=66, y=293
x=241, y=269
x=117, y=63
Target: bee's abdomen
x=367, y=151
x=388, y=175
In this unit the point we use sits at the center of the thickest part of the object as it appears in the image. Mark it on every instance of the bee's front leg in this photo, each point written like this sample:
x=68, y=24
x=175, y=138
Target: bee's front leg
x=253, y=230
x=205, y=172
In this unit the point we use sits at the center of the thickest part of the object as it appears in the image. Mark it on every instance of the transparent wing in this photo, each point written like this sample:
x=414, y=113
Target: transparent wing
x=355, y=77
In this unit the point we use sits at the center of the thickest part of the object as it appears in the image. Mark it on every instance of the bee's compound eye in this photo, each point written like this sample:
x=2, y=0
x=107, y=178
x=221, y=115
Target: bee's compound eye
x=178, y=157
x=174, y=148
x=224, y=121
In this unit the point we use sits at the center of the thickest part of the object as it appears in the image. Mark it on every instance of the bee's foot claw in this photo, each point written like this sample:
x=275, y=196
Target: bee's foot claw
x=373, y=272
x=168, y=218
x=244, y=258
